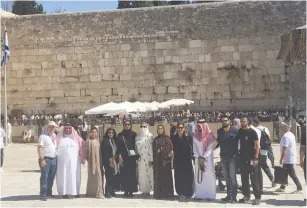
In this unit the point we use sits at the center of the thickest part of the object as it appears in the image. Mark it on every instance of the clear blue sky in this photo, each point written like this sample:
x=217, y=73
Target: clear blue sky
x=70, y=6
x=78, y=6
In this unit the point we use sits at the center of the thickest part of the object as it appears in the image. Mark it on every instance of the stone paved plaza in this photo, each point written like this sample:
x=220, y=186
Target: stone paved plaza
x=20, y=188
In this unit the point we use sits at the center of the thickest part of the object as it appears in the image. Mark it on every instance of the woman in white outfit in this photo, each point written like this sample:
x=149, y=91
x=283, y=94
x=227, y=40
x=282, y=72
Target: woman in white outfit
x=204, y=142
x=143, y=143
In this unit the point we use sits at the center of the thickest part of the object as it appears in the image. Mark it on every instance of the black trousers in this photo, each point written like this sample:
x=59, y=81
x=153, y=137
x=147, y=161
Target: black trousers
x=249, y=172
x=305, y=166
x=2, y=154
x=291, y=172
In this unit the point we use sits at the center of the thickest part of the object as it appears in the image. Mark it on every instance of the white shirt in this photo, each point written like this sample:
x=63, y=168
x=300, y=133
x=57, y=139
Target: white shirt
x=28, y=133
x=257, y=131
x=262, y=128
x=2, y=134
x=48, y=144
x=288, y=140
x=9, y=129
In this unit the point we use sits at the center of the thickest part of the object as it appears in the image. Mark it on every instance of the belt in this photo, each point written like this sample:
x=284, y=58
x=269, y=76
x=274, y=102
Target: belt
x=50, y=158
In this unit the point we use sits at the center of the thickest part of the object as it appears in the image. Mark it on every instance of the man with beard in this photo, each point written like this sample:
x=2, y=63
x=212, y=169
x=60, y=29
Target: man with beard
x=70, y=157
x=127, y=159
x=143, y=147
x=248, y=161
x=228, y=153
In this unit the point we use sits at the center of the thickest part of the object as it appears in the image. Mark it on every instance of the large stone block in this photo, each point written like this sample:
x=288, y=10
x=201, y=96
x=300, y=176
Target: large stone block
x=228, y=49
x=195, y=44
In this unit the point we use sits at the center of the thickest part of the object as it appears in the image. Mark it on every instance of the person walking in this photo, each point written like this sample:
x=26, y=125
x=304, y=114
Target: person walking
x=288, y=157
x=248, y=161
x=265, y=147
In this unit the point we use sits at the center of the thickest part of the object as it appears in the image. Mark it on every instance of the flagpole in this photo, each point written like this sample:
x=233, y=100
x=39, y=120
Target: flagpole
x=1, y=95
x=5, y=95
x=5, y=105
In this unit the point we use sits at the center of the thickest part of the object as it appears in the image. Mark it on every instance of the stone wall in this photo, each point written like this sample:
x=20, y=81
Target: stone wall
x=76, y=61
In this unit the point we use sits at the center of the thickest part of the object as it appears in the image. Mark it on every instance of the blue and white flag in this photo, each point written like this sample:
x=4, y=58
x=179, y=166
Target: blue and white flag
x=6, y=51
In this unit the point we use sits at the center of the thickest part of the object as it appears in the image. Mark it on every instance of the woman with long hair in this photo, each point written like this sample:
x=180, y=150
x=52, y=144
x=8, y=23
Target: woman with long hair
x=183, y=167
x=109, y=159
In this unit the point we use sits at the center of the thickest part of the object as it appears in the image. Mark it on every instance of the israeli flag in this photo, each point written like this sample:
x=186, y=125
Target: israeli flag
x=6, y=50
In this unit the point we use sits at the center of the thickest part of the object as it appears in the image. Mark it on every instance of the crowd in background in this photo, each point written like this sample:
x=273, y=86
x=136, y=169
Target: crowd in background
x=151, y=117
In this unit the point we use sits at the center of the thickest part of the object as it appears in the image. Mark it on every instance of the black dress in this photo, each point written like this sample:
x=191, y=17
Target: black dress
x=126, y=142
x=112, y=181
x=163, y=179
x=183, y=167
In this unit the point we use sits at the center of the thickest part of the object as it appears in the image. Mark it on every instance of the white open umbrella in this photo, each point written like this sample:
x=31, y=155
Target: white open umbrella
x=110, y=108
x=176, y=102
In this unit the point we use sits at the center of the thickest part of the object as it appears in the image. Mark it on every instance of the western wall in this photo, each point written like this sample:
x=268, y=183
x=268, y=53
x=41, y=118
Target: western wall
x=221, y=55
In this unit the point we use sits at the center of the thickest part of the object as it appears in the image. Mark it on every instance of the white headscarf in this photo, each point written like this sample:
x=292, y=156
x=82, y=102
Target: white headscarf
x=144, y=132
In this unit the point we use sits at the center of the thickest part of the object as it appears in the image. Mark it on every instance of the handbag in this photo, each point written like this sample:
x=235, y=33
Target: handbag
x=130, y=152
x=280, y=175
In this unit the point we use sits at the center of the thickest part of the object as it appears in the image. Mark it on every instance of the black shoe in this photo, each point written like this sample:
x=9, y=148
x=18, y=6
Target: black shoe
x=126, y=194
x=244, y=200
x=65, y=196
x=44, y=198
x=108, y=195
x=256, y=202
x=113, y=194
x=130, y=194
x=226, y=199
x=50, y=196
x=234, y=201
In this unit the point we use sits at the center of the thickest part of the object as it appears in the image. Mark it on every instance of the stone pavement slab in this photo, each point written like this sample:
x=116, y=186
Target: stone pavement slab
x=20, y=187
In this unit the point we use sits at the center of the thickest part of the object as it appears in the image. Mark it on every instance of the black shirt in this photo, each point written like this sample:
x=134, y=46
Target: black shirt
x=247, y=138
x=228, y=142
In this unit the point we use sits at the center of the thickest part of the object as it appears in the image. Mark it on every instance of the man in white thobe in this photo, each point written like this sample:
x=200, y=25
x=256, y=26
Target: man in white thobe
x=9, y=133
x=70, y=157
x=143, y=143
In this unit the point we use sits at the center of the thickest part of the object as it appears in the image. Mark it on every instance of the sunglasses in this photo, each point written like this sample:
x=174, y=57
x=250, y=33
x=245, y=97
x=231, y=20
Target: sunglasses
x=143, y=126
x=180, y=127
x=224, y=120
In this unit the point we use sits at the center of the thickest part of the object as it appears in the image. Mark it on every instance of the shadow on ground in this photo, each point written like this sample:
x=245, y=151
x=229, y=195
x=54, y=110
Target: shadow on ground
x=288, y=202
x=21, y=198
x=30, y=171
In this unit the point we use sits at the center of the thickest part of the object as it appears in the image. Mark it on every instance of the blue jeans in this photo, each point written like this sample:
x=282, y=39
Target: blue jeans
x=229, y=170
x=47, y=177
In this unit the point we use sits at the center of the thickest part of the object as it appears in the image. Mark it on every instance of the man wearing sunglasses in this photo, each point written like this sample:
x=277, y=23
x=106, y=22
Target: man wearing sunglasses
x=228, y=153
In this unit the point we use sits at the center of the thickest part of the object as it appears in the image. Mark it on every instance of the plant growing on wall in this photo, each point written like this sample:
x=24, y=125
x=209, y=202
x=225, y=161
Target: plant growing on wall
x=188, y=74
x=28, y=71
x=233, y=71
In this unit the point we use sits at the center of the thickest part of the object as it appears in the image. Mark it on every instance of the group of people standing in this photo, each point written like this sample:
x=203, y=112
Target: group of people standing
x=133, y=162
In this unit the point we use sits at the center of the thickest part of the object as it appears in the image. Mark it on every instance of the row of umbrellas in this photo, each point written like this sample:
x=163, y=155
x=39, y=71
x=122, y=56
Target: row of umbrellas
x=112, y=108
